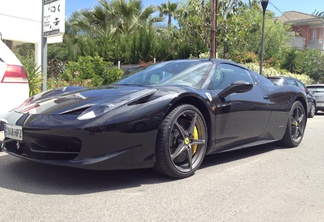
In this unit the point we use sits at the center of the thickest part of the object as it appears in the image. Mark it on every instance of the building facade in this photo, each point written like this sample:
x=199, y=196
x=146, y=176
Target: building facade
x=307, y=30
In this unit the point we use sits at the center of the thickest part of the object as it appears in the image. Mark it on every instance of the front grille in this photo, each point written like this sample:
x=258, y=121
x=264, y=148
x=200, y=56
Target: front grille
x=46, y=147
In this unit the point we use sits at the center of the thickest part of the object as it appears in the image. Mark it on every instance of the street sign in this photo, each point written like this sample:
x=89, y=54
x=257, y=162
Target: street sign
x=54, y=18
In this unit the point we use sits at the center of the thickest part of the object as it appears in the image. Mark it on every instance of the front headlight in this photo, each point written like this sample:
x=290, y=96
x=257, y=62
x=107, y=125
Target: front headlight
x=95, y=111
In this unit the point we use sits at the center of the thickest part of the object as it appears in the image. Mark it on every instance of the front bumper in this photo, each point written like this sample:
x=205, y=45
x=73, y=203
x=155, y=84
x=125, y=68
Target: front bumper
x=100, y=147
x=88, y=152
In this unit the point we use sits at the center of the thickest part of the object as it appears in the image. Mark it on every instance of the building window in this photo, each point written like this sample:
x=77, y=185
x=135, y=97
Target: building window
x=322, y=34
x=314, y=33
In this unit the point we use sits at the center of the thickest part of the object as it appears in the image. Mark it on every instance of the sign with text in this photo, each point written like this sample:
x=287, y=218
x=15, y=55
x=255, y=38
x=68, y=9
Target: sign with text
x=54, y=18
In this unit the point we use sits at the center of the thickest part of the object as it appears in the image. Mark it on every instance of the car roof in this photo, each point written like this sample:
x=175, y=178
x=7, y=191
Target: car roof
x=281, y=77
x=314, y=85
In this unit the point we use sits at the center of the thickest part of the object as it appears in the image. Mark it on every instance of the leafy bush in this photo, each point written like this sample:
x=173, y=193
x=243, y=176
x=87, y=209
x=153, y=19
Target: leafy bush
x=53, y=83
x=93, y=69
x=87, y=71
x=245, y=57
x=313, y=64
x=282, y=72
x=34, y=75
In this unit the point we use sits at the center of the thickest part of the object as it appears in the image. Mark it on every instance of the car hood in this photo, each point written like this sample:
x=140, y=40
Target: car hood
x=79, y=100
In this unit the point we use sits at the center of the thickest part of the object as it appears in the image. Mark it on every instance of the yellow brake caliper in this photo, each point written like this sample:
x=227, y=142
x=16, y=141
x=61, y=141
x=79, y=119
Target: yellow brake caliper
x=194, y=136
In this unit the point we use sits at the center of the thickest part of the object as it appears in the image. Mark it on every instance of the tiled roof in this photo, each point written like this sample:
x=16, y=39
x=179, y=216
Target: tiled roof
x=292, y=16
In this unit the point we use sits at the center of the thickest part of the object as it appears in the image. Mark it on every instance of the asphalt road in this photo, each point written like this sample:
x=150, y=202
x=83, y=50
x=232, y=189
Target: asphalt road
x=264, y=183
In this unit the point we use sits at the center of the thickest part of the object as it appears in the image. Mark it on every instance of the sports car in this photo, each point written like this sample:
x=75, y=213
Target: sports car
x=167, y=116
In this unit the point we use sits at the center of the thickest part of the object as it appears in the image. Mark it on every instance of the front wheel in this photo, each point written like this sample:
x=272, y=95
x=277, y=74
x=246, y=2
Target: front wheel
x=181, y=143
x=295, y=126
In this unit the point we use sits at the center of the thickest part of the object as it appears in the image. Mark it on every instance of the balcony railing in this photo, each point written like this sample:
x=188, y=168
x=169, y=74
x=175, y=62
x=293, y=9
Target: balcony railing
x=316, y=44
x=298, y=42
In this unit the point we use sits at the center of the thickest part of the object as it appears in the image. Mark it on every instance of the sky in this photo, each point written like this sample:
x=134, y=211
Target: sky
x=74, y=5
x=276, y=6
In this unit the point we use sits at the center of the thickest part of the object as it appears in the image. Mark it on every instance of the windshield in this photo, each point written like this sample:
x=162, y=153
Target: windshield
x=181, y=72
x=316, y=89
x=277, y=81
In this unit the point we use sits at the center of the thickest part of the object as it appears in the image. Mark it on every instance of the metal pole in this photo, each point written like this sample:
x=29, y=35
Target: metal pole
x=213, y=7
x=43, y=51
x=262, y=44
x=264, y=4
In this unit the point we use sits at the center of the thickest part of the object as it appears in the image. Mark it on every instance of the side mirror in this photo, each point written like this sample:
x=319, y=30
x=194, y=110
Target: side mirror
x=236, y=87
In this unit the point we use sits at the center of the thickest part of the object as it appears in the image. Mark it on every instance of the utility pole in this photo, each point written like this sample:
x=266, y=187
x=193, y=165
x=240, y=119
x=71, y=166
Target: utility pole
x=213, y=22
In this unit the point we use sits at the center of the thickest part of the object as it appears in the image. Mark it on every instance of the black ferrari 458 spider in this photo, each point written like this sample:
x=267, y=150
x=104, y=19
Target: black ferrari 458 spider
x=167, y=116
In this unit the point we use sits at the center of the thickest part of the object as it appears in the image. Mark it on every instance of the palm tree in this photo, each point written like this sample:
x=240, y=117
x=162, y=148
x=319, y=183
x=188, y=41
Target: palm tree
x=318, y=13
x=292, y=61
x=168, y=9
x=114, y=17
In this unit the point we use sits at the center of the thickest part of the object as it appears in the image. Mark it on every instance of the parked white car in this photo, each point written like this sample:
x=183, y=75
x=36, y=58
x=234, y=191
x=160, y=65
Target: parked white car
x=14, y=88
x=318, y=92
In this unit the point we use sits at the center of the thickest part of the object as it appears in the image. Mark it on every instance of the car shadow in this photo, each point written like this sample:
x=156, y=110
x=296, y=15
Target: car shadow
x=30, y=177
x=229, y=156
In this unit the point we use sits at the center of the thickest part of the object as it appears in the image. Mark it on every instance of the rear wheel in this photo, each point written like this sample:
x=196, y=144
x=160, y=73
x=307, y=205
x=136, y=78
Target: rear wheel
x=181, y=143
x=312, y=111
x=295, y=126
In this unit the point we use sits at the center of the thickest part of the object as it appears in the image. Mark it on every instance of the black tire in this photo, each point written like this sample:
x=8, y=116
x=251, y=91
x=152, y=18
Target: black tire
x=312, y=111
x=295, y=126
x=181, y=143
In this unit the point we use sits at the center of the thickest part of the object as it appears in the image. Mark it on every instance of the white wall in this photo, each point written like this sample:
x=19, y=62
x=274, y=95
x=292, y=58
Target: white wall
x=20, y=20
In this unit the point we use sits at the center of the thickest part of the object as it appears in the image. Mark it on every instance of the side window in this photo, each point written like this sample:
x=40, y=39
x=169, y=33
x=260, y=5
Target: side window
x=301, y=86
x=291, y=82
x=226, y=74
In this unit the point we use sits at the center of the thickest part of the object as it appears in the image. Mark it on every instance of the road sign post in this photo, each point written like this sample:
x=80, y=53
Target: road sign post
x=53, y=24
